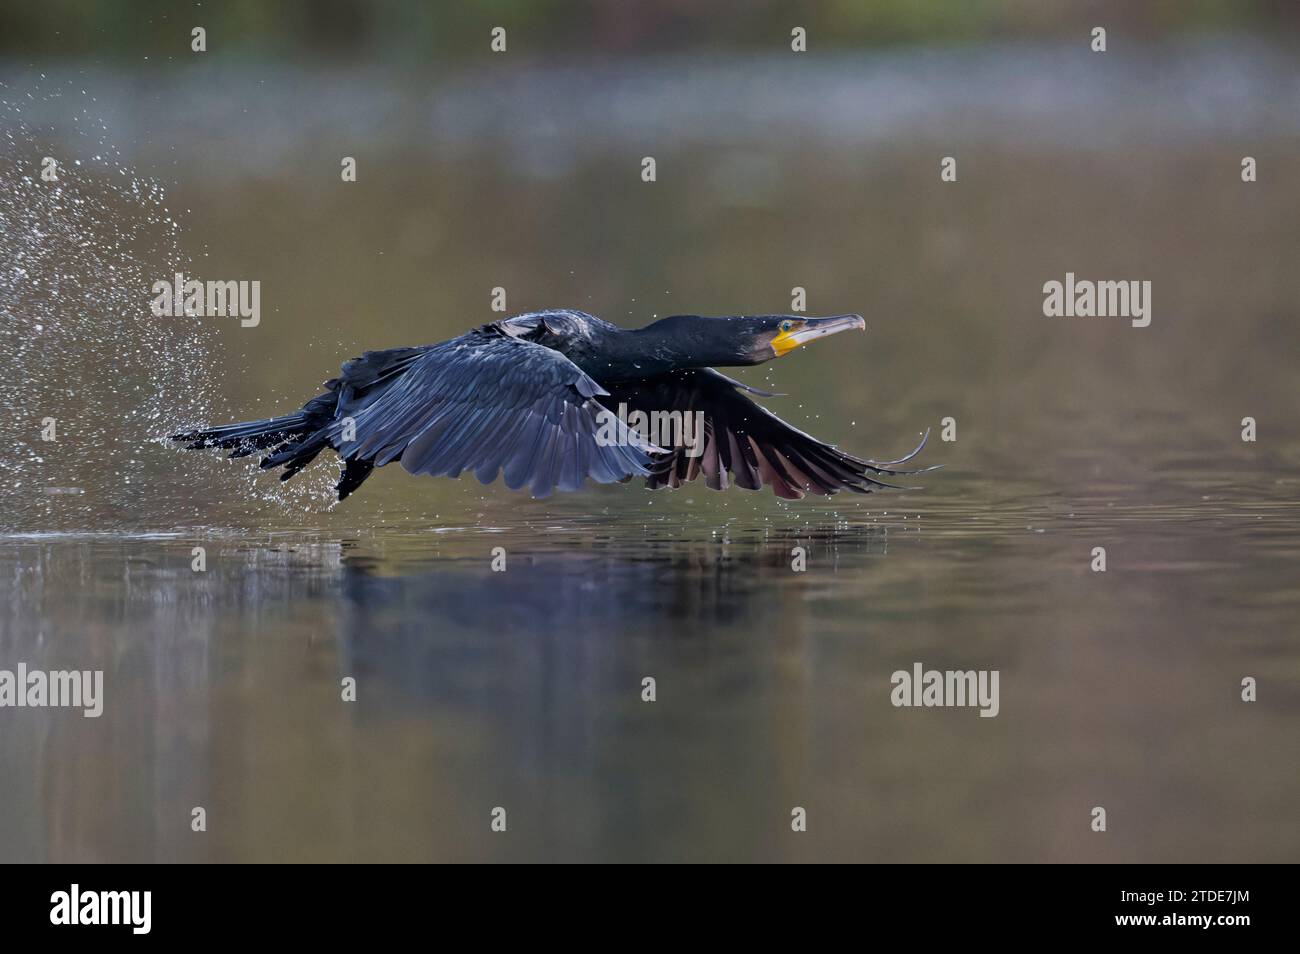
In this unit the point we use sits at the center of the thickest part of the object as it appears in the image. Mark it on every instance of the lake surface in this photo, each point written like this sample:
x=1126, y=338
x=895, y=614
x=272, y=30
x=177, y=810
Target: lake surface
x=523, y=689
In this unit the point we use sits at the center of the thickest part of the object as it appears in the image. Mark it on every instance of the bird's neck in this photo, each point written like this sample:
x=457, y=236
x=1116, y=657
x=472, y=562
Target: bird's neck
x=658, y=349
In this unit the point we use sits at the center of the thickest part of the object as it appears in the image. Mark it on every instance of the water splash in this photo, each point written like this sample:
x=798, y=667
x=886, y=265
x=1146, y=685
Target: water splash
x=83, y=359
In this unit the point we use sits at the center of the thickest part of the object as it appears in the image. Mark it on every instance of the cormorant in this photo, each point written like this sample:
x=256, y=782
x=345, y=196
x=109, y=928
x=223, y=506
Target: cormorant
x=528, y=397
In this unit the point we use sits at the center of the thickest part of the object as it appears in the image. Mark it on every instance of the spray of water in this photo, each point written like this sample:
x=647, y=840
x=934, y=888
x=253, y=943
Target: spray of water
x=92, y=380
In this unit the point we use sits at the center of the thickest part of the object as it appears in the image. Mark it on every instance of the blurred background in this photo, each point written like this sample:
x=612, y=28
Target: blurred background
x=775, y=169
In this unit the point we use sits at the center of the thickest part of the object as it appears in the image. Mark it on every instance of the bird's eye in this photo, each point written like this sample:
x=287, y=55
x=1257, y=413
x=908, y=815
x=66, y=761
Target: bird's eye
x=787, y=325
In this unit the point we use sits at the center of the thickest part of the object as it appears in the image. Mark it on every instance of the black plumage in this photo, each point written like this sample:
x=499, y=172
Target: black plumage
x=746, y=444
x=537, y=399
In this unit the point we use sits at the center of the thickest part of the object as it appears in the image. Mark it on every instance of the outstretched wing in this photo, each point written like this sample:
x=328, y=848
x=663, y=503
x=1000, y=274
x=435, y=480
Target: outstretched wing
x=744, y=443
x=491, y=403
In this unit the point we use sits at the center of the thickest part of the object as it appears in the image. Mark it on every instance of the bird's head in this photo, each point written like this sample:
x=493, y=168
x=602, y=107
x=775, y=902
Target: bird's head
x=739, y=340
x=783, y=333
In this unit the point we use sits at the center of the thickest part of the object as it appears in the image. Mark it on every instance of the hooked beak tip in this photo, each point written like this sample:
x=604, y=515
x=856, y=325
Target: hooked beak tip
x=839, y=323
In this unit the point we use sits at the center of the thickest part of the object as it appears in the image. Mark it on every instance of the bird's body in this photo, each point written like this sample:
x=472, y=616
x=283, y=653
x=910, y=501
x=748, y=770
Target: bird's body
x=537, y=398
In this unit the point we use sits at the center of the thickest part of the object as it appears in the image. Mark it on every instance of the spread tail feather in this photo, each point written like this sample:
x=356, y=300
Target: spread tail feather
x=294, y=441
x=249, y=436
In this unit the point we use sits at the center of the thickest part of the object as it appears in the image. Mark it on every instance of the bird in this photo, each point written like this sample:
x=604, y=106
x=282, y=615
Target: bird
x=545, y=398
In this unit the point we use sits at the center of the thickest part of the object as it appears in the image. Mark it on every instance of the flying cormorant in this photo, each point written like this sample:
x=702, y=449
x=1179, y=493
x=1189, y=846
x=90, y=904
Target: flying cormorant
x=538, y=398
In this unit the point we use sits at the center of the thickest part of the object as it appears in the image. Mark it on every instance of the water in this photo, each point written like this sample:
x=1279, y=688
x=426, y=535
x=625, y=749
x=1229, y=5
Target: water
x=523, y=689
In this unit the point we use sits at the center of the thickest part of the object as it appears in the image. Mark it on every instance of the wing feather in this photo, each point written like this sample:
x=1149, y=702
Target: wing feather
x=494, y=404
x=746, y=444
